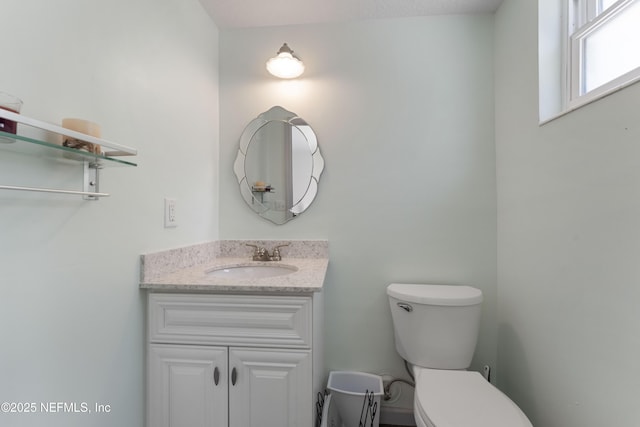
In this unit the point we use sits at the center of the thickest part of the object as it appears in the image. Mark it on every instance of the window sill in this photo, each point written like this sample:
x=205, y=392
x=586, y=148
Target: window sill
x=586, y=100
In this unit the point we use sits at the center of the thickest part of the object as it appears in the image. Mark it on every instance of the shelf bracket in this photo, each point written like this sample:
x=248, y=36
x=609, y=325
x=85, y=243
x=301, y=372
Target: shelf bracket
x=91, y=187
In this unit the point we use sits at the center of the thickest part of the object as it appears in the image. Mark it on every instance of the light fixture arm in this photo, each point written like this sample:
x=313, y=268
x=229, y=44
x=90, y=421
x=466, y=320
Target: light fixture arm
x=285, y=48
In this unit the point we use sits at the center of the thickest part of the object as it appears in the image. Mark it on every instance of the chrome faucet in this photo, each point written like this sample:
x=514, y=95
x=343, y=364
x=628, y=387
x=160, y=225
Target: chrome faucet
x=262, y=254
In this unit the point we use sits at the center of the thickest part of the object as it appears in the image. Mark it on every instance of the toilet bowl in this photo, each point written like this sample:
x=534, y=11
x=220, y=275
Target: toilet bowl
x=462, y=398
x=436, y=329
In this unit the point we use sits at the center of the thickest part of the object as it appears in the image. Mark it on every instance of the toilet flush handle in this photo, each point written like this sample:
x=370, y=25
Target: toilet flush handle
x=406, y=307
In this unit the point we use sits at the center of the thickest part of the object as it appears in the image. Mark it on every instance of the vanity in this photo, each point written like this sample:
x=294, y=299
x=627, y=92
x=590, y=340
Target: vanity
x=232, y=341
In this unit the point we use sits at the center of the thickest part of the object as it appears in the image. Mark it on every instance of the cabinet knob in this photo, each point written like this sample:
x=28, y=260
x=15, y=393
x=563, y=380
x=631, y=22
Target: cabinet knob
x=216, y=375
x=234, y=376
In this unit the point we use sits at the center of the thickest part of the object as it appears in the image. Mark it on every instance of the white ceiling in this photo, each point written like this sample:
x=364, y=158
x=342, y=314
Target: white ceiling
x=261, y=13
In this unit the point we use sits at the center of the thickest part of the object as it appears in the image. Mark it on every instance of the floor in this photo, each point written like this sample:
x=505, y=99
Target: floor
x=396, y=425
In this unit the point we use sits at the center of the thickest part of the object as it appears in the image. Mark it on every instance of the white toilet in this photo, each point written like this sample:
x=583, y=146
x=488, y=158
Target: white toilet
x=436, y=329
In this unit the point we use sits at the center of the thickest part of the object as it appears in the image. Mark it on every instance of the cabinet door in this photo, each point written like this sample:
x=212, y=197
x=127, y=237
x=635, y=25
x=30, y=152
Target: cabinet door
x=270, y=388
x=187, y=386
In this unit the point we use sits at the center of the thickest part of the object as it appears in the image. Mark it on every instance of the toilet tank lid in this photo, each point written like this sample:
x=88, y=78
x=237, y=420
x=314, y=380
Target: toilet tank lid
x=446, y=295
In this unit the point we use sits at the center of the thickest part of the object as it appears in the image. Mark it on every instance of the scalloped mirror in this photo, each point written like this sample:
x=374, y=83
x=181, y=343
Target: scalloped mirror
x=278, y=165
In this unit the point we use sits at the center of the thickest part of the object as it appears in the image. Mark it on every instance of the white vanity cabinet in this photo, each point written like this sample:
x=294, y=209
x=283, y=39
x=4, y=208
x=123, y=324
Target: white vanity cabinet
x=217, y=360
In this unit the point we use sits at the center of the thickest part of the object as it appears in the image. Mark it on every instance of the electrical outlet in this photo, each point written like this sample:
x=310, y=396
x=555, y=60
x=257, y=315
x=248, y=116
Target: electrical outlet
x=170, y=218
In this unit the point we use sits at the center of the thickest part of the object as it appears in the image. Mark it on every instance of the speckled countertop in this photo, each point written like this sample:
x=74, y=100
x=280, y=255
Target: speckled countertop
x=185, y=269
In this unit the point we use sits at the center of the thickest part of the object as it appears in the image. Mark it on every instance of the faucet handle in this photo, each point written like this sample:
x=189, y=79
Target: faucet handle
x=276, y=252
x=259, y=253
x=256, y=251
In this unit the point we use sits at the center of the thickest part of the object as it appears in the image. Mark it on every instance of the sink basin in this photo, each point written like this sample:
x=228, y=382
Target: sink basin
x=251, y=271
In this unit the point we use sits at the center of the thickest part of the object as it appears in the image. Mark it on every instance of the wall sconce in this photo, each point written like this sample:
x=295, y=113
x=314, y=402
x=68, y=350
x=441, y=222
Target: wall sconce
x=285, y=64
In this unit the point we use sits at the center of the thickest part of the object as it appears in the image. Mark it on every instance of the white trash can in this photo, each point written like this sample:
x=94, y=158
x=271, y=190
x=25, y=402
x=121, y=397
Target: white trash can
x=356, y=396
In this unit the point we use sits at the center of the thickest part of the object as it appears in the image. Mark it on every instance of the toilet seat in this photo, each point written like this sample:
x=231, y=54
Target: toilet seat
x=445, y=398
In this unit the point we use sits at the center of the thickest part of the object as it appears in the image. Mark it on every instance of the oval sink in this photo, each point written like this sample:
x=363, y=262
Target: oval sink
x=251, y=271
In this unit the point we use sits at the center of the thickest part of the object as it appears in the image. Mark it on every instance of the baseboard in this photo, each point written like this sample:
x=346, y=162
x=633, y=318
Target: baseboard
x=397, y=416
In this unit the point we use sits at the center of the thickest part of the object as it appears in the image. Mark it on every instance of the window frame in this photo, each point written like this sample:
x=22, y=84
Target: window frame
x=584, y=17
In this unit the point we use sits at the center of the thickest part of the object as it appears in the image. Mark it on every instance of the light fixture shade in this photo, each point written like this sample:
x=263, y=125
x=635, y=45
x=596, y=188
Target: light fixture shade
x=285, y=64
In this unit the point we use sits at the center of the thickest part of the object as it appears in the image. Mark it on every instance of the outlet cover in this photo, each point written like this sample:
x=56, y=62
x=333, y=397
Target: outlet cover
x=170, y=218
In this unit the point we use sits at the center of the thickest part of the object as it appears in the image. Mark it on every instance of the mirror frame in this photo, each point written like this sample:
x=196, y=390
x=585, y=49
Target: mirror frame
x=278, y=114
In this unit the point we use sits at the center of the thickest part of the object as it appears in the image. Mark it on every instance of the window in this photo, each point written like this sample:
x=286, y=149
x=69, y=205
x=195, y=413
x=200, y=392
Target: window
x=603, y=48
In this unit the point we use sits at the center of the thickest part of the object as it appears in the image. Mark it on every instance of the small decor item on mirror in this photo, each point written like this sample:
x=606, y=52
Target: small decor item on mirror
x=262, y=187
x=10, y=103
x=82, y=126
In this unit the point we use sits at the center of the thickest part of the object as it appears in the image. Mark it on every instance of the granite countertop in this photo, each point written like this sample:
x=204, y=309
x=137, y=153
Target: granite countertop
x=168, y=271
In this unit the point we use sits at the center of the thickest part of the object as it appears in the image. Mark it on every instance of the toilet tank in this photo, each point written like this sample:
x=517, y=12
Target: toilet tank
x=435, y=326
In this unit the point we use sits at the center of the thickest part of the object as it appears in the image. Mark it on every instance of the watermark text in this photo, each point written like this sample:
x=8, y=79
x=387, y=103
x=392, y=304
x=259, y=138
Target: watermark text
x=54, y=408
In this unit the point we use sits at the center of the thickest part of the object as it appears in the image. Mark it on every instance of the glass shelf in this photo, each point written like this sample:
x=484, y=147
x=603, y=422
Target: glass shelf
x=28, y=145
x=40, y=139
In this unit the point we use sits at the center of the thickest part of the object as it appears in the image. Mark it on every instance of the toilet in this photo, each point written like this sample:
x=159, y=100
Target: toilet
x=436, y=330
